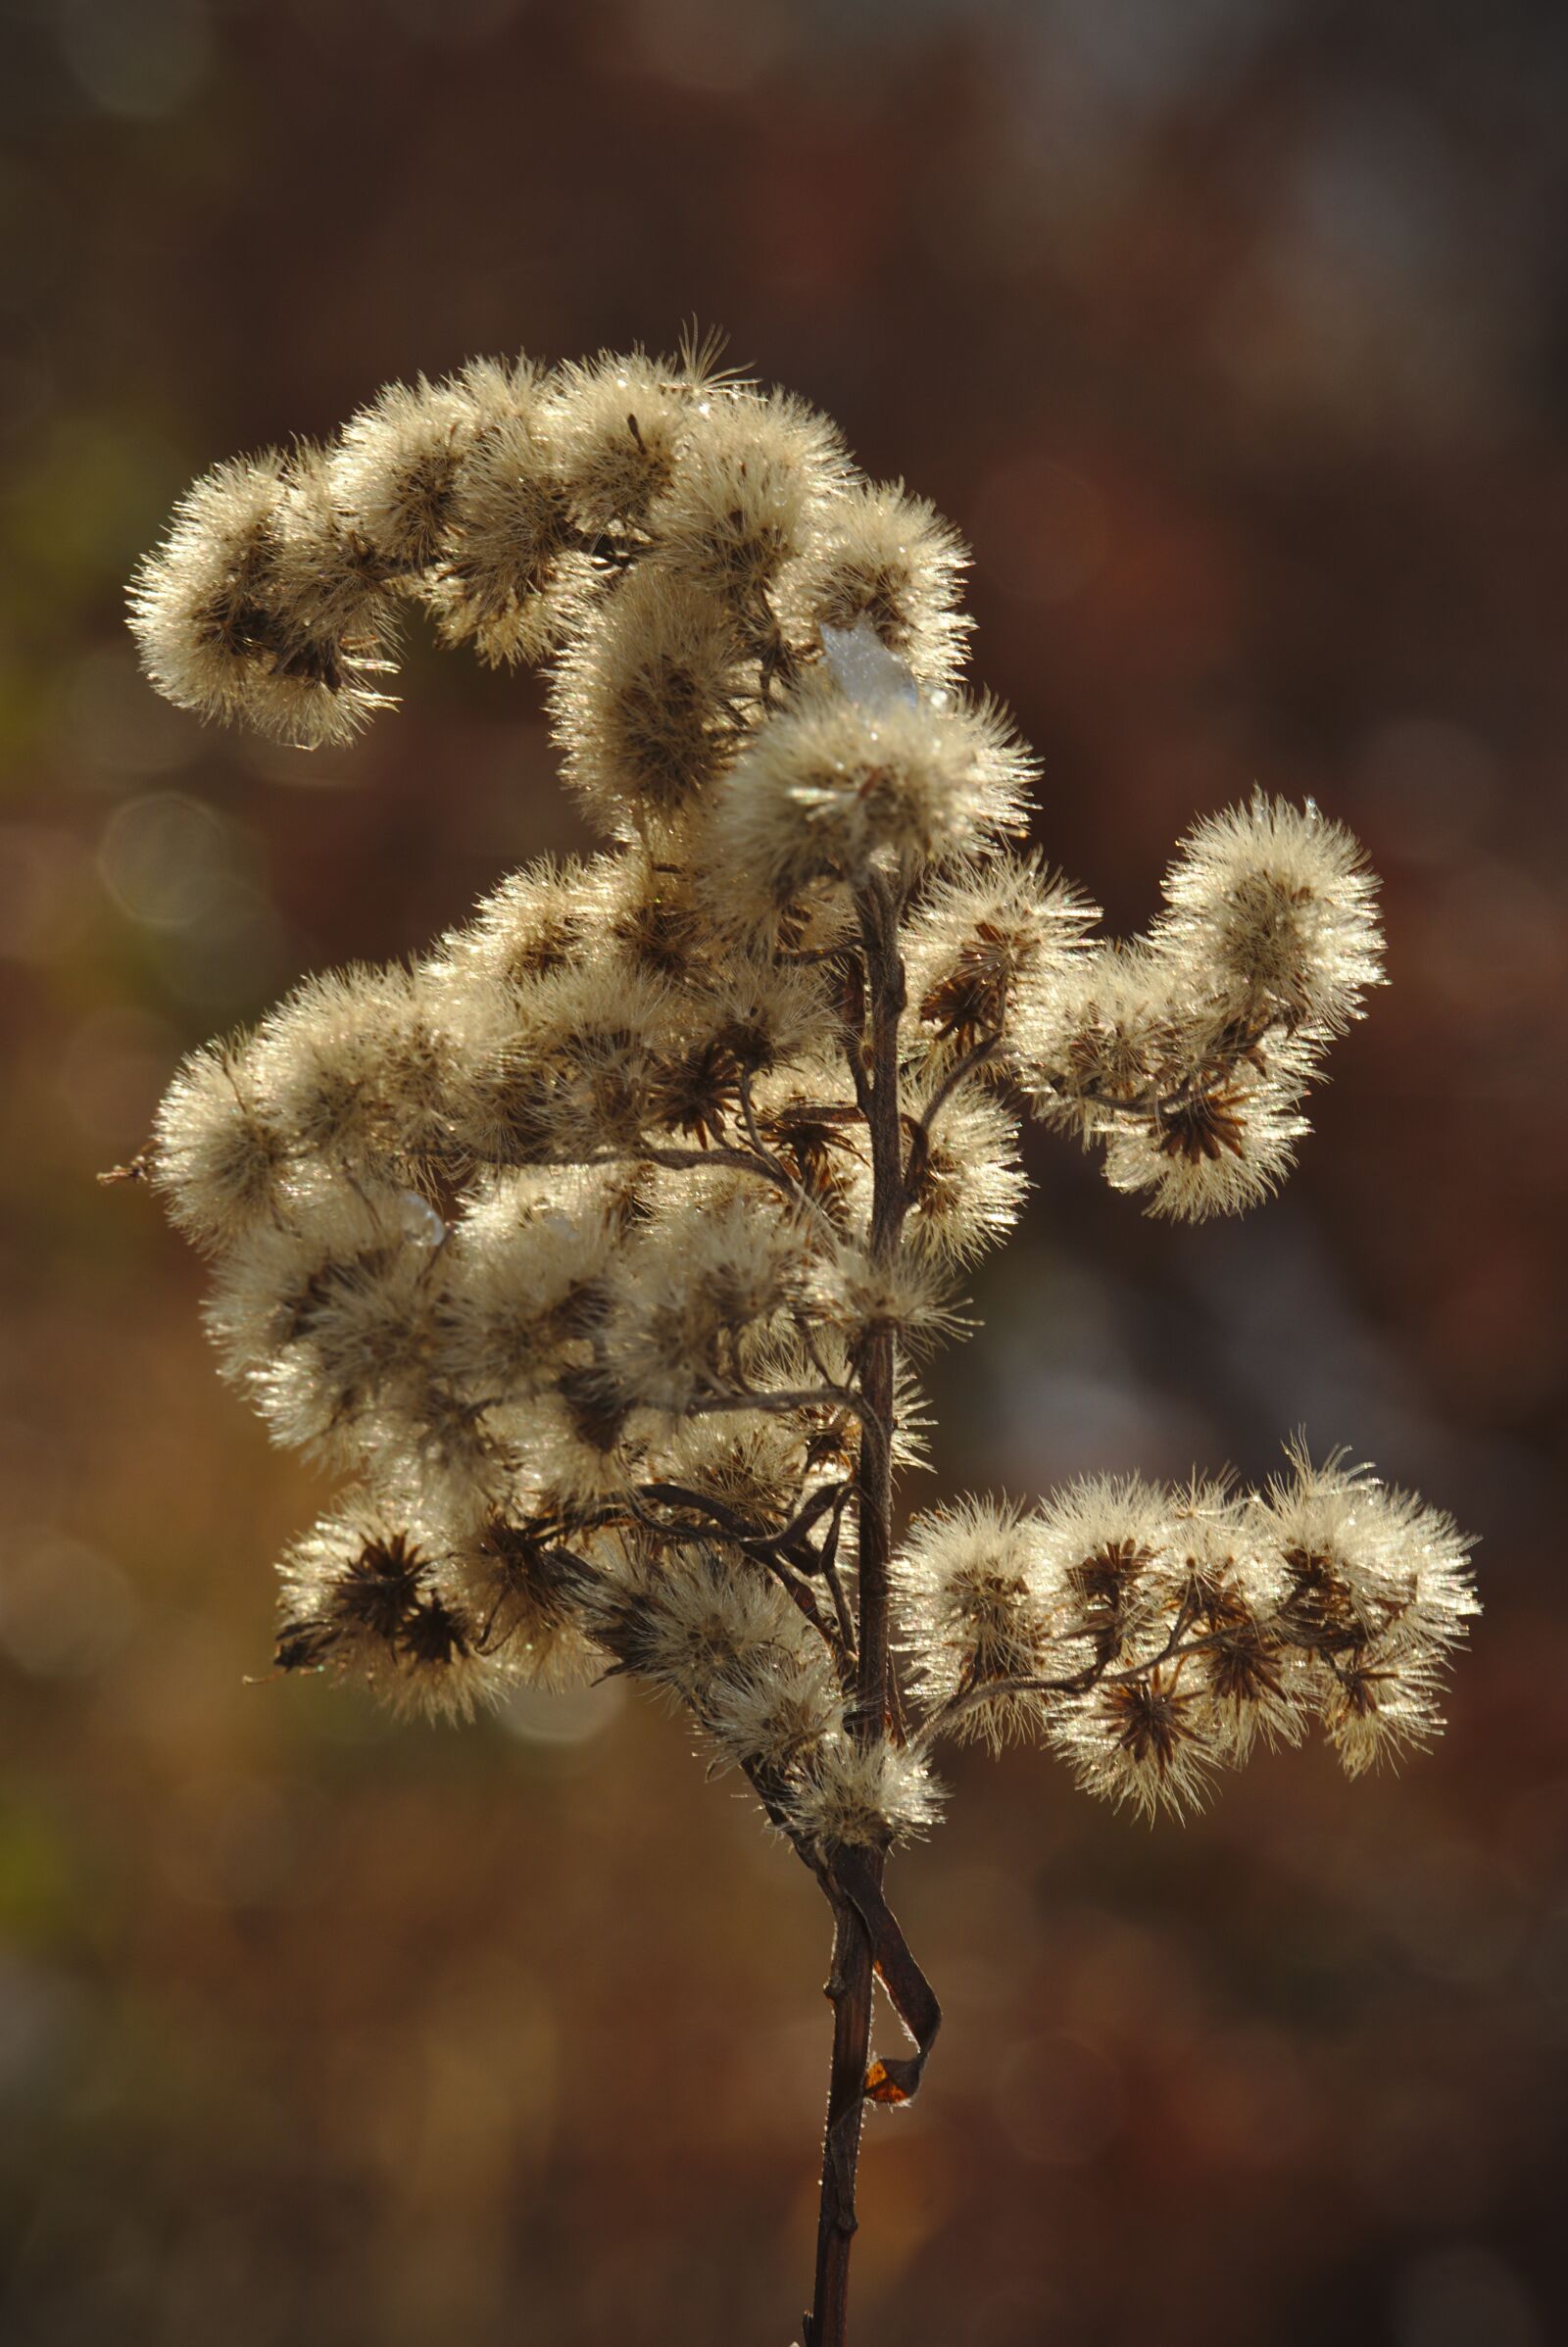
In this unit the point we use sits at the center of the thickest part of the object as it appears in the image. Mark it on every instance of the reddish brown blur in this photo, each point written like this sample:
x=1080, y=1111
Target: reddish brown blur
x=1235, y=336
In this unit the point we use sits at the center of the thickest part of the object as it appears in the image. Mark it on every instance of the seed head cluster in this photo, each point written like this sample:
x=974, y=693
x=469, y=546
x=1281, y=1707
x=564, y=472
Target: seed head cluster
x=1151, y=1637
x=595, y=1248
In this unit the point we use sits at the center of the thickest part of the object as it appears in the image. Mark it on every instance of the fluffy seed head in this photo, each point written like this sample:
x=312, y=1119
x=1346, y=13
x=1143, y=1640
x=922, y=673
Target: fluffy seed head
x=395, y=466
x=882, y=557
x=319, y=1066
x=699, y=1624
x=1102, y=1541
x=1378, y=1595
x=539, y=920
x=261, y=607
x=993, y=947
x=855, y=1294
x=1221, y=1149
x=363, y=1594
x=217, y=1154
x=620, y=423
x=645, y=699
x=508, y=573
x=831, y=787
x=363, y=1351
x=863, y=1796
x=1111, y=1033
x=966, y=1185
x=747, y=492
x=1276, y=903
x=976, y=1610
x=525, y=1290
x=1148, y=1739
x=275, y=1276
x=514, y=1586
x=688, y=1304
x=776, y=1716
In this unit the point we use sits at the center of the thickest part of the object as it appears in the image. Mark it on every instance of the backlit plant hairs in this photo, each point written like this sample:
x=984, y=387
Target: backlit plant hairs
x=597, y=1250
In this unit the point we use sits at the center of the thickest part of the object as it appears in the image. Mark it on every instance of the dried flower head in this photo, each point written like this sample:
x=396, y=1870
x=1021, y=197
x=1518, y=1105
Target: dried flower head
x=593, y=1245
x=851, y=1795
x=362, y=1596
x=888, y=559
x=1274, y=904
x=262, y=604
x=980, y=1611
x=837, y=788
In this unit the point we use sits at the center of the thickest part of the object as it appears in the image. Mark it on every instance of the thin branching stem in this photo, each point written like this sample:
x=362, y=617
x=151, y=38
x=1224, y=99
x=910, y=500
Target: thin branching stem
x=850, y=1982
x=1082, y=1682
x=1214, y=1071
x=973, y=1060
x=789, y=1576
x=798, y=1398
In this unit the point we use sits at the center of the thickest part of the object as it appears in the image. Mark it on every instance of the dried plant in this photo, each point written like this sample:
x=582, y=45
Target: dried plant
x=598, y=1247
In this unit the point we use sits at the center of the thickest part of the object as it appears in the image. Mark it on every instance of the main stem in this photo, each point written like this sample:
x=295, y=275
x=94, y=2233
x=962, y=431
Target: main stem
x=850, y=1982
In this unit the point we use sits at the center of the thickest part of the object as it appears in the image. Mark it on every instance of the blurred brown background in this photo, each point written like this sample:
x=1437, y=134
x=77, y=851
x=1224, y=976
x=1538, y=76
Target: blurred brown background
x=1234, y=335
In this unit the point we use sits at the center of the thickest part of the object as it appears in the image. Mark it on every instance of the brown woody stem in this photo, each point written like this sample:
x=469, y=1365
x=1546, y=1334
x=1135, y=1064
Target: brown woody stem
x=849, y=1984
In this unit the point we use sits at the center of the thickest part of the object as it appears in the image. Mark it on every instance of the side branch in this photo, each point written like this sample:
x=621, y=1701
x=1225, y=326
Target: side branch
x=748, y=1535
x=925, y=1124
x=801, y=1398
x=1082, y=1682
x=975, y=1058
x=1214, y=1071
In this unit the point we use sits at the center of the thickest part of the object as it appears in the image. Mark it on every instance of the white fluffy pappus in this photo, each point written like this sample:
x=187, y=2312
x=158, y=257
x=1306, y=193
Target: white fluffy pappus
x=851, y=1795
x=699, y=1621
x=259, y=608
x=1222, y=1149
x=976, y=1610
x=880, y=557
x=1275, y=904
x=968, y=1187
x=1149, y=1741
x=830, y=787
x=216, y=1155
x=509, y=575
x=688, y=1302
x=1379, y=1593
x=646, y=699
x=538, y=920
x=525, y=1284
x=620, y=423
x=993, y=946
x=1103, y=1542
x=364, y=1594
x=772, y=1715
x=395, y=465
x=747, y=493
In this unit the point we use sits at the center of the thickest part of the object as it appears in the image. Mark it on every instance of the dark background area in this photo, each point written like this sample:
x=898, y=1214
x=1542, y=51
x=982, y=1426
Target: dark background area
x=1234, y=336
